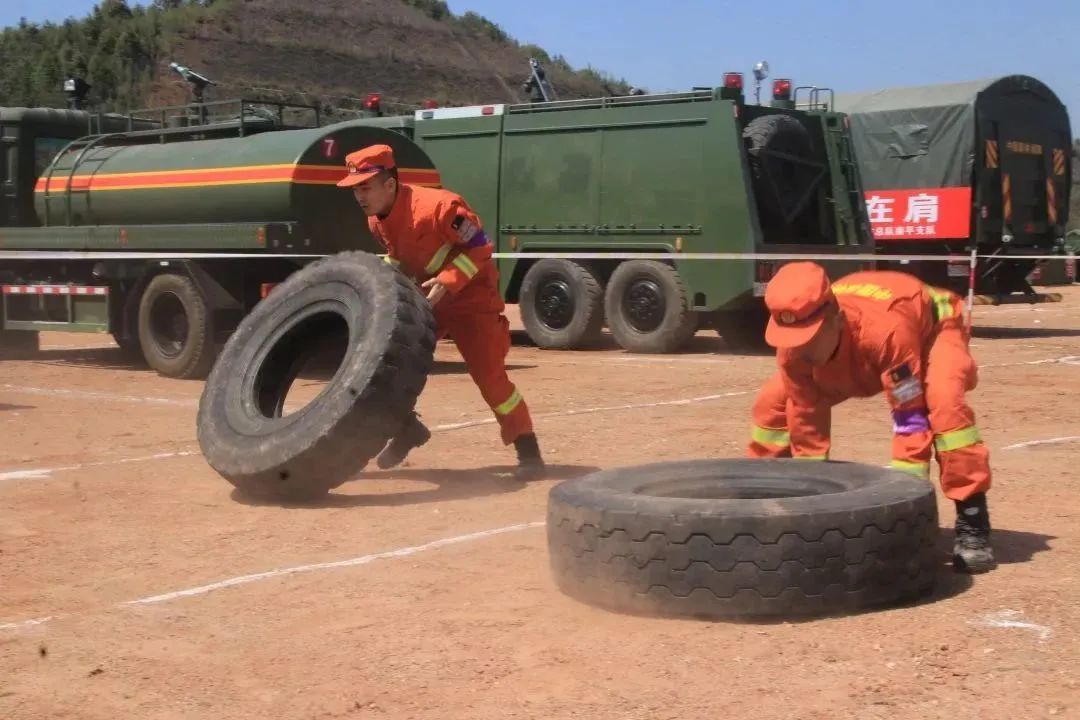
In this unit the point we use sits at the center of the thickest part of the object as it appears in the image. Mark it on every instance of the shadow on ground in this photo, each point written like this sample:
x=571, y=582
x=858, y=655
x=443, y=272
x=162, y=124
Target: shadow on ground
x=705, y=342
x=6, y=406
x=446, y=485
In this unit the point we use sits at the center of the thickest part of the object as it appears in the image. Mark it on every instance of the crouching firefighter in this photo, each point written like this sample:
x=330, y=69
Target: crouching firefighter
x=866, y=333
x=435, y=238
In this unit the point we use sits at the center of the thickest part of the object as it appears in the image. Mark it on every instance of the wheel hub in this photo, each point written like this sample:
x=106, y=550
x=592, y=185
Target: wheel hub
x=169, y=324
x=644, y=304
x=555, y=304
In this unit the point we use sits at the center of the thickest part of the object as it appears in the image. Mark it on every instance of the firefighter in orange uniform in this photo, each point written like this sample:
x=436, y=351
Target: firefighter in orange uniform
x=866, y=333
x=434, y=237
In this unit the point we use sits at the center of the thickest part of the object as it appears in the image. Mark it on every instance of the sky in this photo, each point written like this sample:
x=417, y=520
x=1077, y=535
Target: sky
x=847, y=45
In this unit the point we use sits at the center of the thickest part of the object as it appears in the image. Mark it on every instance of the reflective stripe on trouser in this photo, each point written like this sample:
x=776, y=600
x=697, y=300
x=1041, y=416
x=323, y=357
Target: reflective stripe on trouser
x=918, y=469
x=483, y=339
x=963, y=458
x=769, y=437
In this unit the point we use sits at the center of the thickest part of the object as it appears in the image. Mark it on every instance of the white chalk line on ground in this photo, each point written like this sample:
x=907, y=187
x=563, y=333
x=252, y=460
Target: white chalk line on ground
x=298, y=569
x=1064, y=360
x=1048, y=441
x=1011, y=619
x=96, y=395
x=45, y=473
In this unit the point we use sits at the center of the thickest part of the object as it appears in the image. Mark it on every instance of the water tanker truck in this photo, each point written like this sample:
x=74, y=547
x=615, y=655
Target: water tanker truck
x=165, y=228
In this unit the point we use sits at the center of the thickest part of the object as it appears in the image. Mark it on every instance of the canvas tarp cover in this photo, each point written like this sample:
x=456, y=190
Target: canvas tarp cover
x=919, y=137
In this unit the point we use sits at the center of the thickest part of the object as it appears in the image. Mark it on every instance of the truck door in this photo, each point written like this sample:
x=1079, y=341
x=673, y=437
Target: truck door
x=1032, y=185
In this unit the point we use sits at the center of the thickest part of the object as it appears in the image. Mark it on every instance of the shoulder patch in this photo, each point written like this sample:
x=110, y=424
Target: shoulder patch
x=463, y=227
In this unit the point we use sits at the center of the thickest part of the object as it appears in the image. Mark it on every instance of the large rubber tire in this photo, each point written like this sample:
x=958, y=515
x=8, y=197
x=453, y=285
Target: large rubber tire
x=781, y=133
x=175, y=329
x=388, y=353
x=647, y=307
x=562, y=305
x=18, y=344
x=743, y=538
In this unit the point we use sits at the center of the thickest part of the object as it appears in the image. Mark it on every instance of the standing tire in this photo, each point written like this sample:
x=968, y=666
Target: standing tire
x=175, y=331
x=777, y=182
x=647, y=307
x=562, y=305
x=743, y=538
x=388, y=334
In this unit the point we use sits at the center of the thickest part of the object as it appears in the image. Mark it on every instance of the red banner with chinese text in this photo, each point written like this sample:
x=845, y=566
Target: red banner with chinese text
x=922, y=214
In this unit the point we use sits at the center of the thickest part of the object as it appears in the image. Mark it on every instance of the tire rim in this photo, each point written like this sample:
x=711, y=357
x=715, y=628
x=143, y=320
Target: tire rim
x=555, y=304
x=643, y=304
x=169, y=324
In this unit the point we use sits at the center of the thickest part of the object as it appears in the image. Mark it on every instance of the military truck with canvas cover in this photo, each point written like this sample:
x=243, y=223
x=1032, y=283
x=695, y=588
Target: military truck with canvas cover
x=639, y=184
x=983, y=163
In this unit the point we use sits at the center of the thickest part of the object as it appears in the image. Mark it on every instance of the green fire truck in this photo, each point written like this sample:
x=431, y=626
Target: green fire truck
x=165, y=227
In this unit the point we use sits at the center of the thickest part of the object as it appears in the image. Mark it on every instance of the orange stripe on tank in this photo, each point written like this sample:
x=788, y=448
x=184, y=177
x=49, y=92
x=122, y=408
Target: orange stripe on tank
x=257, y=174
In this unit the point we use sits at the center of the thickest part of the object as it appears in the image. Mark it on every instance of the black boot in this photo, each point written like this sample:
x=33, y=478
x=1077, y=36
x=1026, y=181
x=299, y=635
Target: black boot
x=971, y=551
x=530, y=464
x=412, y=435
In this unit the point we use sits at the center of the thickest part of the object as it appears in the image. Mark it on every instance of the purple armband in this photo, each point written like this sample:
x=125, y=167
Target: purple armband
x=477, y=240
x=909, y=422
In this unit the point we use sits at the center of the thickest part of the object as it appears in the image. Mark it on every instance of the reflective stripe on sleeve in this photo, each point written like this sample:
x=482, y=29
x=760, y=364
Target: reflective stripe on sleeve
x=437, y=260
x=465, y=264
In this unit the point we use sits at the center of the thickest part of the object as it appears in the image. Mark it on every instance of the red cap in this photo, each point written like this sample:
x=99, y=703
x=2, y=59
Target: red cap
x=366, y=164
x=796, y=297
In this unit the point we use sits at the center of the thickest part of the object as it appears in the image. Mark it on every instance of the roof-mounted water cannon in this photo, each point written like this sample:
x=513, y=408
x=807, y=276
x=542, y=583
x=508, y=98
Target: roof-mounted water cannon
x=537, y=85
x=75, y=88
x=761, y=71
x=198, y=82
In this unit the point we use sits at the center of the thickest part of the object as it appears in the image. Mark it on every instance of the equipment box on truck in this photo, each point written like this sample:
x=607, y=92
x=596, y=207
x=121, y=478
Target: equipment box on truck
x=984, y=163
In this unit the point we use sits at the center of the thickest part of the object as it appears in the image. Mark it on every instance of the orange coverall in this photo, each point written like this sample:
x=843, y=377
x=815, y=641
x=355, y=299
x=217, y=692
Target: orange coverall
x=433, y=232
x=901, y=336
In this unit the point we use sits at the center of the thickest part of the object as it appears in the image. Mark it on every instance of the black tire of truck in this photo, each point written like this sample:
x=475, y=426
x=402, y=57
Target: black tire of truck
x=18, y=344
x=175, y=328
x=744, y=538
x=562, y=305
x=648, y=308
x=386, y=359
x=744, y=330
x=780, y=133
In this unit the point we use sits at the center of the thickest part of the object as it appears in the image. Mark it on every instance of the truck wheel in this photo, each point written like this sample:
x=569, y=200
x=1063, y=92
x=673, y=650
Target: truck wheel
x=388, y=331
x=743, y=538
x=778, y=183
x=18, y=344
x=174, y=328
x=647, y=307
x=745, y=329
x=562, y=305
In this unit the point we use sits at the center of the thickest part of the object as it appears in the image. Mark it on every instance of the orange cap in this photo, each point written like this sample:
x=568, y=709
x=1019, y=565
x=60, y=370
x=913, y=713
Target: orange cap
x=367, y=163
x=796, y=297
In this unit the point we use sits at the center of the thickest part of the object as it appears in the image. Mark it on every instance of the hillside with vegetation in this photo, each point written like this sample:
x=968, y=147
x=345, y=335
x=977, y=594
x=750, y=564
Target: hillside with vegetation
x=331, y=53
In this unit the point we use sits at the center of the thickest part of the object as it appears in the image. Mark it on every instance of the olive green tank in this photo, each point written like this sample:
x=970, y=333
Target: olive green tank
x=285, y=176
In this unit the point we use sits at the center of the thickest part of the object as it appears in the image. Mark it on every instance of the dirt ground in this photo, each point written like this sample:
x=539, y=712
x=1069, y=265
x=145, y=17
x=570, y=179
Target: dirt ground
x=354, y=609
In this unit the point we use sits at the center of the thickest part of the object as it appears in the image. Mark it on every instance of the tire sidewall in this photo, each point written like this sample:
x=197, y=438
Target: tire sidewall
x=182, y=287
x=535, y=278
x=227, y=411
x=667, y=336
